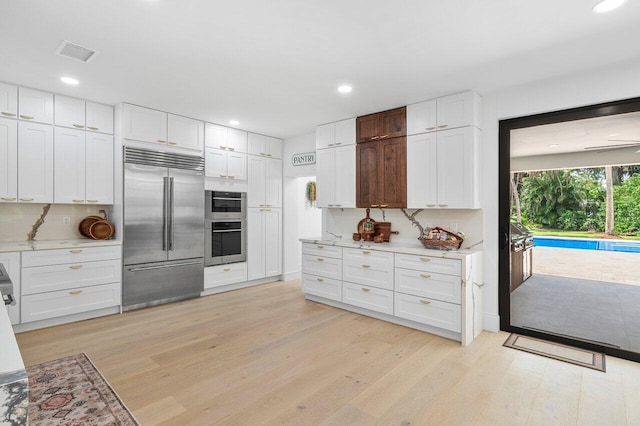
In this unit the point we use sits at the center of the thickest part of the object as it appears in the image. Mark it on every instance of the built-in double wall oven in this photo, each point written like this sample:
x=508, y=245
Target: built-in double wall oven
x=225, y=227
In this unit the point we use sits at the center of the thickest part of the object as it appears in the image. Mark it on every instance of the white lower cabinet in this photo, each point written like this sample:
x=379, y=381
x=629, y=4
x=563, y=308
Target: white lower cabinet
x=221, y=275
x=321, y=286
x=440, y=294
x=37, y=307
x=439, y=314
x=264, y=243
x=61, y=282
x=368, y=297
x=11, y=263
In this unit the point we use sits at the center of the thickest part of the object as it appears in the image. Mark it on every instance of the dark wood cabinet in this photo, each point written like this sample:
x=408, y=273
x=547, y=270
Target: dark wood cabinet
x=382, y=125
x=381, y=170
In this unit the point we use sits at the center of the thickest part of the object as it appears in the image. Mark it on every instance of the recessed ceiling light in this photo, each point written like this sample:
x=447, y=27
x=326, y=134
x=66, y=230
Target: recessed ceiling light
x=607, y=5
x=614, y=134
x=69, y=80
x=234, y=122
x=554, y=145
x=345, y=88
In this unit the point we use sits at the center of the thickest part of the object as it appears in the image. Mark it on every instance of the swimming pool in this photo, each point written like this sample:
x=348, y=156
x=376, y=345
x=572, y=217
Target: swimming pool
x=588, y=244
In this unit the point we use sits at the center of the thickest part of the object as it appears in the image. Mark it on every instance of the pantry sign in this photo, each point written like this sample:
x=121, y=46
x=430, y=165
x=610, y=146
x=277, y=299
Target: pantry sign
x=304, y=159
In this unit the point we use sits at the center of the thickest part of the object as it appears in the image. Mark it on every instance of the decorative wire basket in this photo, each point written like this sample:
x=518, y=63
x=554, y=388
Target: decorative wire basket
x=453, y=243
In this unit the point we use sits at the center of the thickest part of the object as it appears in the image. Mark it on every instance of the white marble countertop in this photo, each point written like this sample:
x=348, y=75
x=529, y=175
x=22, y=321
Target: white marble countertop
x=54, y=244
x=10, y=358
x=405, y=248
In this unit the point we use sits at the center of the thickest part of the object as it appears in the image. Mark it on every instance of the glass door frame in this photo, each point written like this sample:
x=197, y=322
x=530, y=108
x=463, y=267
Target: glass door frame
x=504, y=214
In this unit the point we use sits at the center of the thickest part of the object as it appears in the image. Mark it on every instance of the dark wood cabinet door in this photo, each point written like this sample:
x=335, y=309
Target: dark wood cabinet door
x=367, y=166
x=392, y=189
x=367, y=127
x=393, y=123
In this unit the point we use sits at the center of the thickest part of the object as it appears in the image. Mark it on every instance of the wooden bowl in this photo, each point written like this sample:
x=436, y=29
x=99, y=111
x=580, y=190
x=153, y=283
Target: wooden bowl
x=357, y=236
x=86, y=223
x=101, y=230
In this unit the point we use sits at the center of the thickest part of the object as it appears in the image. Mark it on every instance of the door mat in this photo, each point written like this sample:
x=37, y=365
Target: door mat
x=71, y=391
x=557, y=351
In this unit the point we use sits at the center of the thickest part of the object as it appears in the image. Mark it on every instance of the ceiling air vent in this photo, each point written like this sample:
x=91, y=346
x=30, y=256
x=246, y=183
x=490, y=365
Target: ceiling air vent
x=75, y=51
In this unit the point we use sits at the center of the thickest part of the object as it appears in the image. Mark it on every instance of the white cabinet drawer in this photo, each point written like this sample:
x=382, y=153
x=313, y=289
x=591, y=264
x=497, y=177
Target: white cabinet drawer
x=429, y=264
x=367, y=297
x=322, y=266
x=368, y=267
x=428, y=311
x=69, y=255
x=41, y=279
x=220, y=275
x=322, y=250
x=43, y=306
x=322, y=287
x=447, y=288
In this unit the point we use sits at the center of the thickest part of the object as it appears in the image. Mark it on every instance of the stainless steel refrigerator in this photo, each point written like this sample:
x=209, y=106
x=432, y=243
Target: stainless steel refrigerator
x=163, y=227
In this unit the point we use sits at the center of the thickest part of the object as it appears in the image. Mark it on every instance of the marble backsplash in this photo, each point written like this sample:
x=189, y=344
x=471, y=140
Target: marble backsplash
x=17, y=220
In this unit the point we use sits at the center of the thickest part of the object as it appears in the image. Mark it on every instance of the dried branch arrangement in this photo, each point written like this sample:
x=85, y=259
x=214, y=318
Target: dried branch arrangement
x=413, y=220
x=34, y=230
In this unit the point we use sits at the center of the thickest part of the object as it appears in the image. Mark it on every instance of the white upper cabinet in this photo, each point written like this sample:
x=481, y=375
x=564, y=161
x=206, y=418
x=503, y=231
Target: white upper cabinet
x=8, y=100
x=264, y=182
x=265, y=146
x=34, y=105
x=8, y=160
x=99, y=168
x=222, y=137
x=336, y=134
x=69, y=166
x=451, y=180
x=35, y=163
x=99, y=118
x=225, y=164
x=336, y=177
x=447, y=112
x=144, y=124
x=69, y=112
x=185, y=132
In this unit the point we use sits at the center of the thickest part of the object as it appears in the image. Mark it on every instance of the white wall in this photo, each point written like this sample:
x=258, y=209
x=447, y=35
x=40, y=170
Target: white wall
x=596, y=86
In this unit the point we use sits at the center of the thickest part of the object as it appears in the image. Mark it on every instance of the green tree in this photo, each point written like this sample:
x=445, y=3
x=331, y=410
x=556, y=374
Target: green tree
x=549, y=195
x=626, y=198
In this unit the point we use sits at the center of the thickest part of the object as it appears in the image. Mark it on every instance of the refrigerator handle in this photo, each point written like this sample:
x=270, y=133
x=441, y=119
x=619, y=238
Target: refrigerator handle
x=164, y=213
x=171, y=211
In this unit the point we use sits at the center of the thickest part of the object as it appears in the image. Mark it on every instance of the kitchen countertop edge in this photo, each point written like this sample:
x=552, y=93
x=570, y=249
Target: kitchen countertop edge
x=394, y=247
x=17, y=246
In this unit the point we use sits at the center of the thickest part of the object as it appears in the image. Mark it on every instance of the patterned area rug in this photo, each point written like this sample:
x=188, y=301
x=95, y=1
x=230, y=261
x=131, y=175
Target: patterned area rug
x=71, y=391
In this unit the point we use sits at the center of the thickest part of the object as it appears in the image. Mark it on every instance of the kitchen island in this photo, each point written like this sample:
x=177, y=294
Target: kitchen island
x=14, y=386
x=439, y=292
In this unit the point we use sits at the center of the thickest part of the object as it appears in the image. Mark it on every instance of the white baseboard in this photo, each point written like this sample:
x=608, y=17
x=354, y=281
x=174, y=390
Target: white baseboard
x=19, y=328
x=237, y=286
x=491, y=322
x=288, y=276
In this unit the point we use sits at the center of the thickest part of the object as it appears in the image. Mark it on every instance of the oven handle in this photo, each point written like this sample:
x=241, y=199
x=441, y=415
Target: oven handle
x=173, y=265
x=222, y=198
x=232, y=230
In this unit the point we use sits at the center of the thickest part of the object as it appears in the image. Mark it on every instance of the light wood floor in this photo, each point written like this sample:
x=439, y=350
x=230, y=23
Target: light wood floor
x=265, y=355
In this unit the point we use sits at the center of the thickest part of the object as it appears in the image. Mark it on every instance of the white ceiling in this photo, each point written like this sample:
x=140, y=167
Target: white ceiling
x=577, y=136
x=275, y=65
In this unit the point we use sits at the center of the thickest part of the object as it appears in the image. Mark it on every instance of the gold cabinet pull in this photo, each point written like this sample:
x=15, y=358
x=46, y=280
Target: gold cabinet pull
x=78, y=201
x=267, y=210
x=230, y=148
x=319, y=279
x=26, y=117
x=75, y=266
x=222, y=147
x=78, y=126
x=320, y=247
x=226, y=269
x=263, y=154
x=425, y=259
x=75, y=251
x=269, y=155
x=162, y=141
x=384, y=136
x=366, y=266
x=92, y=201
x=373, y=138
x=173, y=143
x=75, y=292
x=442, y=126
x=424, y=302
x=366, y=289
x=231, y=177
x=383, y=206
x=8, y=198
x=26, y=199
x=431, y=128
x=8, y=114
x=331, y=144
x=95, y=129
x=425, y=275
x=320, y=259
x=375, y=205
x=338, y=143
x=443, y=205
x=366, y=252
x=431, y=205
x=223, y=176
